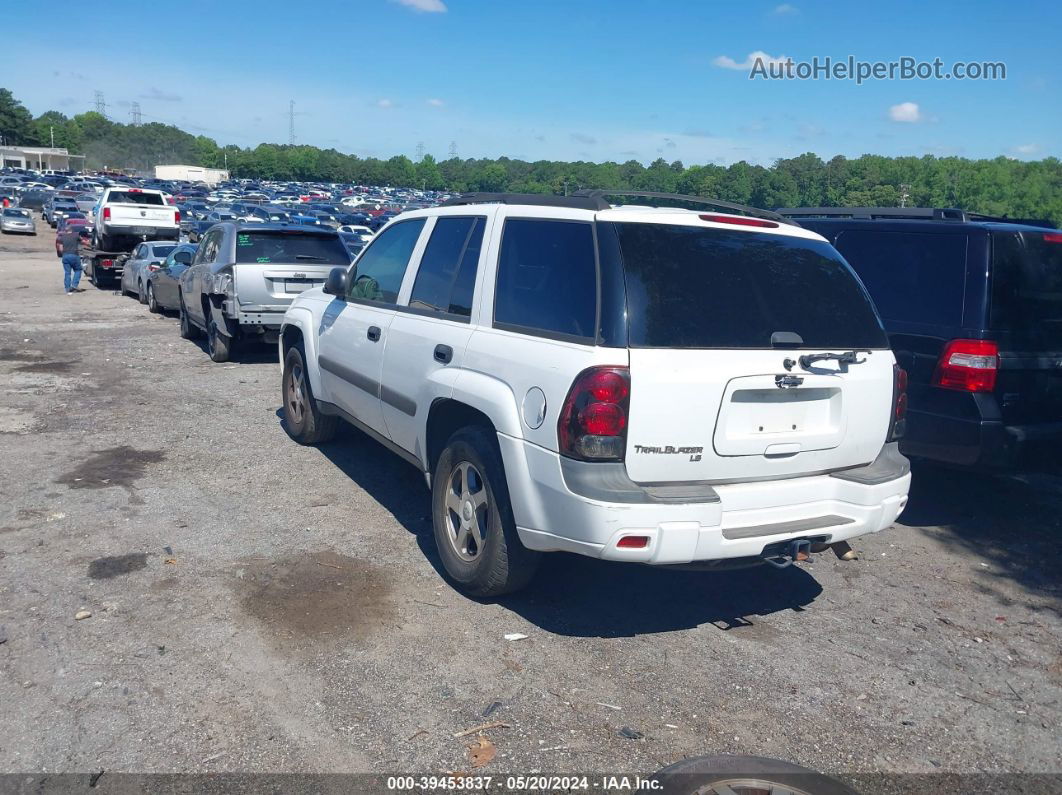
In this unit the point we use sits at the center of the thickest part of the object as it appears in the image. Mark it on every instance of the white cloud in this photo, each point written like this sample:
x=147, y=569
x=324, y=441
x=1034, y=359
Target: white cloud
x=785, y=10
x=430, y=6
x=1025, y=149
x=726, y=62
x=384, y=103
x=436, y=103
x=905, y=112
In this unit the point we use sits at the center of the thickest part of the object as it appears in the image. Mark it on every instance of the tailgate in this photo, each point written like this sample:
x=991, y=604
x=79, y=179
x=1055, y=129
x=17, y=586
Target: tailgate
x=273, y=284
x=141, y=215
x=723, y=415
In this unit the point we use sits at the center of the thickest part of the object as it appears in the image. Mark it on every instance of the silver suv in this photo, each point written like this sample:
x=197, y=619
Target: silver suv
x=244, y=277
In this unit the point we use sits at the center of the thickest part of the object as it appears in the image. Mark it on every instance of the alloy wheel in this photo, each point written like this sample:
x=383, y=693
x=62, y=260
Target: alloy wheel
x=467, y=513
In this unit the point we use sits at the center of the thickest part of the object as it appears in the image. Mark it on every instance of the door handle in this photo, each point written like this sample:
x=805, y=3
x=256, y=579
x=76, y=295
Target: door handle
x=373, y=333
x=444, y=354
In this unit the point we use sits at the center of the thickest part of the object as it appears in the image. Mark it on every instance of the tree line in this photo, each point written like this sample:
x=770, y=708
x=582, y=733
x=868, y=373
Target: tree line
x=1000, y=186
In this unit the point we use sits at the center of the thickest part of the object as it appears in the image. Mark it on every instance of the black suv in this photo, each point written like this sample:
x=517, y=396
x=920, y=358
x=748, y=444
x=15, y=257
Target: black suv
x=973, y=308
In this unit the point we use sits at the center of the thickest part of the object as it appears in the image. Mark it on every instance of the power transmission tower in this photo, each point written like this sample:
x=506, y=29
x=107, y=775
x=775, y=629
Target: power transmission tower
x=905, y=194
x=101, y=104
x=291, y=122
x=134, y=111
x=453, y=149
x=420, y=151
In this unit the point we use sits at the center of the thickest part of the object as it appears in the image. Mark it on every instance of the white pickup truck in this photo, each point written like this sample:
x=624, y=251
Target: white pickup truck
x=126, y=216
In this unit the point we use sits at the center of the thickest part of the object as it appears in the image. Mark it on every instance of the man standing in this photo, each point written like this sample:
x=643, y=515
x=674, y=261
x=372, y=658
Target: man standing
x=71, y=242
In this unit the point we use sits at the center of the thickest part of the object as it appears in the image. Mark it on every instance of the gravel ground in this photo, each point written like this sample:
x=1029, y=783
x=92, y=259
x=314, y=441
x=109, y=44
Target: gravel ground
x=260, y=606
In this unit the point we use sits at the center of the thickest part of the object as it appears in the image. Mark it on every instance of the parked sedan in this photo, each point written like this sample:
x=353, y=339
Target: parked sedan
x=86, y=202
x=15, y=219
x=146, y=258
x=161, y=291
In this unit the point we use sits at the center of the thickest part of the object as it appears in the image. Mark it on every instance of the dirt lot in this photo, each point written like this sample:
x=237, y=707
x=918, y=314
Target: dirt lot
x=259, y=606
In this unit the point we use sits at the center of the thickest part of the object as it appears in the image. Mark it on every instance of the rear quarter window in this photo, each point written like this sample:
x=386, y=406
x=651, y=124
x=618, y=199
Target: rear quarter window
x=547, y=278
x=916, y=277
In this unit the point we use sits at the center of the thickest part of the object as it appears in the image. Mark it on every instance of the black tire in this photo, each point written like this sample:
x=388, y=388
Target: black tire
x=152, y=304
x=706, y=775
x=302, y=419
x=94, y=279
x=140, y=295
x=487, y=559
x=219, y=344
x=189, y=330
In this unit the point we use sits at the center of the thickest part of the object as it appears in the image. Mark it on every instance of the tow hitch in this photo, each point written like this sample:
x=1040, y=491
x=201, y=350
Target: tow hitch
x=797, y=550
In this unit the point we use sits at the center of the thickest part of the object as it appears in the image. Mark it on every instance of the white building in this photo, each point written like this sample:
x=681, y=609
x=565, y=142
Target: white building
x=211, y=176
x=40, y=158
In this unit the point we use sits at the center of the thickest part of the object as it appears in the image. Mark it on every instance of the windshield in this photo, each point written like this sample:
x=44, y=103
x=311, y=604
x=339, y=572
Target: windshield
x=694, y=287
x=1027, y=289
x=13, y=213
x=290, y=247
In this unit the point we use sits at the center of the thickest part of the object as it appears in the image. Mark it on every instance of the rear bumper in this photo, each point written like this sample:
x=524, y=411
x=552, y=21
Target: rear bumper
x=973, y=443
x=148, y=231
x=732, y=521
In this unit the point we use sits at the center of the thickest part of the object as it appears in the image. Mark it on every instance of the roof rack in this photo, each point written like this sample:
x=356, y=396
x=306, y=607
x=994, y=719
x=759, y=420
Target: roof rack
x=952, y=214
x=535, y=199
x=719, y=204
x=596, y=200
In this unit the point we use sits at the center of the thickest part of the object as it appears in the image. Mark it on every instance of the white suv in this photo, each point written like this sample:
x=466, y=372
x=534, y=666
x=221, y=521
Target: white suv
x=633, y=383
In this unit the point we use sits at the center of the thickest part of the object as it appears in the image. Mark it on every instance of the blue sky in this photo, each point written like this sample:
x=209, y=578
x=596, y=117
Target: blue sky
x=582, y=79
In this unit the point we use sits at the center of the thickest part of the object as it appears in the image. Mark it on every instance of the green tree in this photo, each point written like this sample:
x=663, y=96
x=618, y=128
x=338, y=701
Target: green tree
x=16, y=123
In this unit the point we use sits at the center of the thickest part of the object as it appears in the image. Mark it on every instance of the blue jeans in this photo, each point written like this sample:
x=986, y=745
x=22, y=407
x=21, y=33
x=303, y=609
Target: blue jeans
x=71, y=271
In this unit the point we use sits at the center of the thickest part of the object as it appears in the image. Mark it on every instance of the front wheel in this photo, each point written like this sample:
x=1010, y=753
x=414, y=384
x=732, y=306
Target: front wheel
x=189, y=330
x=302, y=419
x=473, y=518
x=140, y=294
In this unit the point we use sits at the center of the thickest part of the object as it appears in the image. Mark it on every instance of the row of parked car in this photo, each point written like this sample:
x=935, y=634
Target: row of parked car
x=643, y=383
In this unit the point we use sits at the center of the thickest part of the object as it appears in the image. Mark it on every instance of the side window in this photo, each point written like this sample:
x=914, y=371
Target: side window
x=139, y=253
x=208, y=248
x=911, y=276
x=547, y=277
x=381, y=267
x=447, y=273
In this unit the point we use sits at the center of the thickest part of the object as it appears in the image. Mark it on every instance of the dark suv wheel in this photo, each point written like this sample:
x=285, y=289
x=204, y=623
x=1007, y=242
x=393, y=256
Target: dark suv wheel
x=473, y=518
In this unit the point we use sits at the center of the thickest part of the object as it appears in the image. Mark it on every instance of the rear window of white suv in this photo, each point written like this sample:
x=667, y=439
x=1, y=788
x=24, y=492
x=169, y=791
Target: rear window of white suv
x=135, y=197
x=692, y=287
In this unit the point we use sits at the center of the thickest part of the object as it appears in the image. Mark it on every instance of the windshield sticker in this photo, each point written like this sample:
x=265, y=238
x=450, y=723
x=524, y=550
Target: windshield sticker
x=243, y=240
x=263, y=259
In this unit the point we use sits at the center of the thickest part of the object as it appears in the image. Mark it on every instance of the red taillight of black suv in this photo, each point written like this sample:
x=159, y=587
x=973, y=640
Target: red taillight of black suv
x=898, y=423
x=593, y=419
x=968, y=366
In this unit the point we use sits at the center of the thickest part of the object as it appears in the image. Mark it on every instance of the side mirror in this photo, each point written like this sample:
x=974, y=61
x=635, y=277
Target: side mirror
x=336, y=283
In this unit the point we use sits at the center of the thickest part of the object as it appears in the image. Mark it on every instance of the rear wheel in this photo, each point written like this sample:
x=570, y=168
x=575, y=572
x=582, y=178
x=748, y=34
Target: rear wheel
x=302, y=419
x=219, y=344
x=473, y=519
x=152, y=304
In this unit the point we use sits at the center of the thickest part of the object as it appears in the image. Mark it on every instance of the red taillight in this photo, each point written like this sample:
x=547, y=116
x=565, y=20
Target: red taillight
x=154, y=266
x=593, y=419
x=106, y=213
x=898, y=423
x=633, y=542
x=1053, y=237
x=177, y=216
x=968, y=365
x=738, y=220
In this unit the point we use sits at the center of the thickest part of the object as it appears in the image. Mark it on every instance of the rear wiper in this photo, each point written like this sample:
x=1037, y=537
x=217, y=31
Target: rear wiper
x=848, y=357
